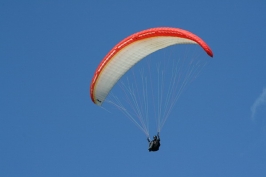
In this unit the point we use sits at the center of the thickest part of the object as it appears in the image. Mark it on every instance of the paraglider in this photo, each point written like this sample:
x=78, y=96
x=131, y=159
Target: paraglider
x=155, y=144
x=133, y=49
x=125, y=55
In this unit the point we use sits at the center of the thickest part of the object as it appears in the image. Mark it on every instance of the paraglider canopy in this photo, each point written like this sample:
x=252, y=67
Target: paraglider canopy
x=131, y=50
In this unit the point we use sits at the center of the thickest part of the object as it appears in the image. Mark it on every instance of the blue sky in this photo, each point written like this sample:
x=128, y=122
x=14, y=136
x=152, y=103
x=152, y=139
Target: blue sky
x=49, y=51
